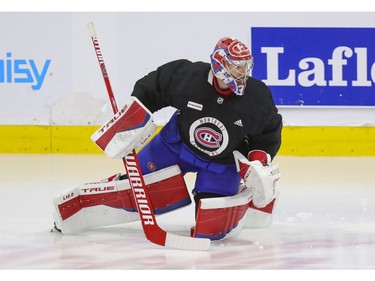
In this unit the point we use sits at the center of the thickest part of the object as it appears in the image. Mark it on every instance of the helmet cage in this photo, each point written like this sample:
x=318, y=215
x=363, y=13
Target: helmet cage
x=240, y=70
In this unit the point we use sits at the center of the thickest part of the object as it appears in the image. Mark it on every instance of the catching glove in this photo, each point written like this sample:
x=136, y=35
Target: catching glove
x=259, y=175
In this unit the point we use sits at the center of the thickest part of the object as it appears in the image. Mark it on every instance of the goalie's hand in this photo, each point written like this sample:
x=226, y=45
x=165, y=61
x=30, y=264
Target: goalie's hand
x=259, y=175
x=129, y=129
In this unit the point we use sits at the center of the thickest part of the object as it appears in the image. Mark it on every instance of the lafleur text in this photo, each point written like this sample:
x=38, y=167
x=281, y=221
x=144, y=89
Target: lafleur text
x=312, y=70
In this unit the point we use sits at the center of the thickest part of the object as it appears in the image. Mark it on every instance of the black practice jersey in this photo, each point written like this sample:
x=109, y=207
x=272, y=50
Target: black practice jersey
x=213, y=125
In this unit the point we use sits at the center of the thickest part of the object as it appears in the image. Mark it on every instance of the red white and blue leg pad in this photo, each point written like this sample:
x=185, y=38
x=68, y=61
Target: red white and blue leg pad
x=111, y=201
x=221, y=218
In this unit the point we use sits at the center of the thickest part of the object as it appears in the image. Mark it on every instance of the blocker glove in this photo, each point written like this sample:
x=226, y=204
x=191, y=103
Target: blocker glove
x=259, y=175
x=128, y=129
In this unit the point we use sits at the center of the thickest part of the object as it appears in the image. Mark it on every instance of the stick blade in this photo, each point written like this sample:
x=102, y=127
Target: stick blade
x=187, y=243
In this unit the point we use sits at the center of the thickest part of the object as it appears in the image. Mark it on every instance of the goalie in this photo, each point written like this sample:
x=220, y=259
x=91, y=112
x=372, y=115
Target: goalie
x=226, y=129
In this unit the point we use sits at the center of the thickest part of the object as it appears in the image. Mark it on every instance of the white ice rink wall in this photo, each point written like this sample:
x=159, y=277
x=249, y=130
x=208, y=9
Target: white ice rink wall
x=53, y=97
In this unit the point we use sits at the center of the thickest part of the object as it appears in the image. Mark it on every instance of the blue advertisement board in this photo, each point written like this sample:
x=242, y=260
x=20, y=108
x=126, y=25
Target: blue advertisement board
x=316, y=66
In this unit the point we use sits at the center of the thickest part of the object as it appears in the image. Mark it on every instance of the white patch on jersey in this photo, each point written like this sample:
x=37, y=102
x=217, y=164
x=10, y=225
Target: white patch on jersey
x=238, y=123
x=195, y=105
x=209, y=135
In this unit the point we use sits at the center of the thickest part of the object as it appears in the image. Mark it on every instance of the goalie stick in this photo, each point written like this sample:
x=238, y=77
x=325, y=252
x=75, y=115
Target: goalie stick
x=145, y=209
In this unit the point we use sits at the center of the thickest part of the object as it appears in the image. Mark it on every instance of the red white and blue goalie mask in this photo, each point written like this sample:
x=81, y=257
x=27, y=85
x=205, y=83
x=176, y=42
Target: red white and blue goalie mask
x=232, y=62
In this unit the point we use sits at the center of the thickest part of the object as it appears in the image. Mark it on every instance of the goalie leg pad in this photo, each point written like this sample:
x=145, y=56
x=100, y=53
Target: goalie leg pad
x=261, y=217
x=112, y=202
x=222, y=217
x=129, y=129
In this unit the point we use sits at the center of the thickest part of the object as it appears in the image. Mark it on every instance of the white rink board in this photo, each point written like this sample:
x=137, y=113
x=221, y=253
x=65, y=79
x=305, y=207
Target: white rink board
x=72, y=91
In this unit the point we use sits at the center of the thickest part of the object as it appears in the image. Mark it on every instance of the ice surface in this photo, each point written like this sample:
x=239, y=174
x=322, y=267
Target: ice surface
x=324, y=219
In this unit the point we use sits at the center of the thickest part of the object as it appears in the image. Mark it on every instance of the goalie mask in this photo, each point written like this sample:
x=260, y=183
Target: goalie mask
x=232, y=62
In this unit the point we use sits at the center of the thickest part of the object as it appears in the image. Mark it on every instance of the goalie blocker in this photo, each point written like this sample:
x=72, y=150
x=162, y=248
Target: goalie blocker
x=128, y=129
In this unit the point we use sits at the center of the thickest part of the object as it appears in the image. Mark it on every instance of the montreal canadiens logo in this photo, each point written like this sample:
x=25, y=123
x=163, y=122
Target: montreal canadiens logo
x=238, y=49
x=209, y=135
